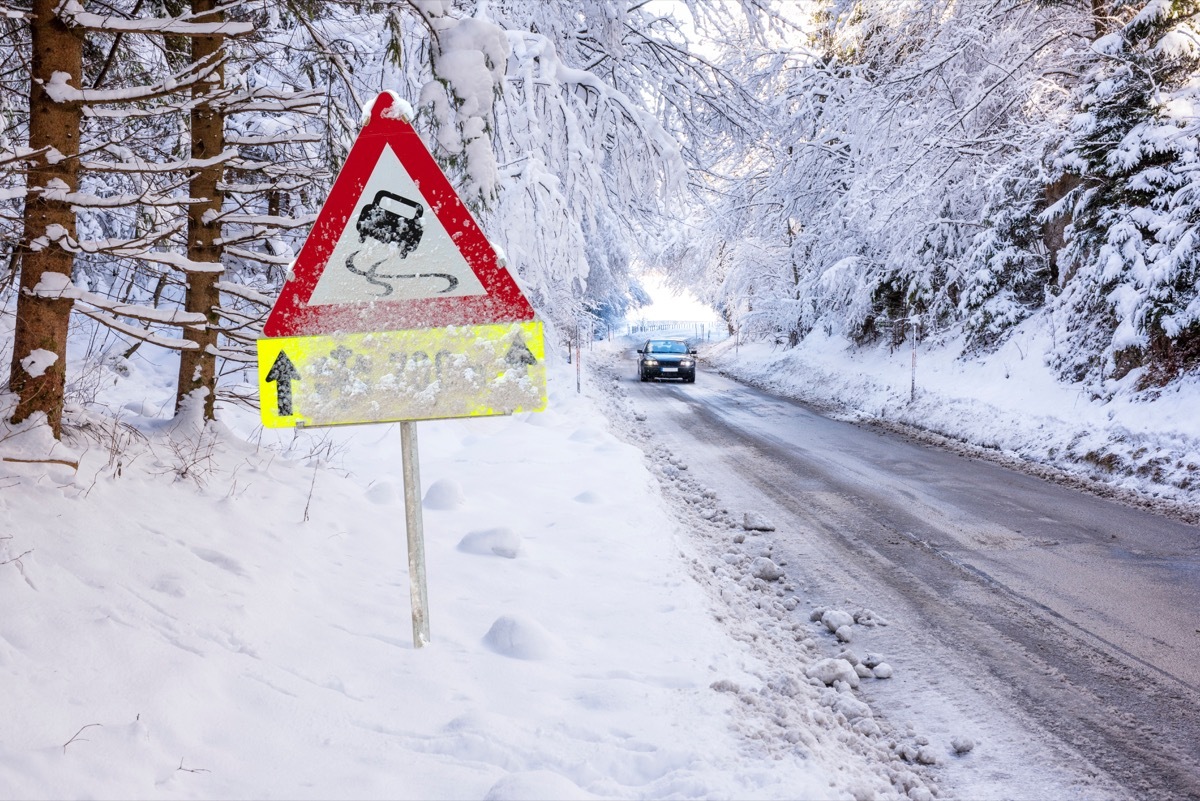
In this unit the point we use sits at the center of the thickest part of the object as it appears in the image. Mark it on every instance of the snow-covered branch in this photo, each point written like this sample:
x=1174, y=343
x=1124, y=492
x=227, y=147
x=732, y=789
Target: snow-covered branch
x=60, y=91
x=246, y=293
x=73, y=14
x=135, y=164
x=138, y=333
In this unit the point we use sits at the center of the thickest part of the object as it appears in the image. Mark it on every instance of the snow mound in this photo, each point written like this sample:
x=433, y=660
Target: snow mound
x=445, y=494
x=835, y=619
x=587, y=496
x=492, y=541
x=383, y=493
x=519, y=638
x=828, y=671
x=765, y=569
x=962, y=745
x=536, y=785
x=851, y=707
x=868, y=618
x=850, y=657
x=587, y=434
x=752, y=521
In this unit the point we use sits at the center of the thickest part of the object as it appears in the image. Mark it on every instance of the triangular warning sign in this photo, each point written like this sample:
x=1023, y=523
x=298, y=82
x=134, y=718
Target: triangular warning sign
x=393, y=247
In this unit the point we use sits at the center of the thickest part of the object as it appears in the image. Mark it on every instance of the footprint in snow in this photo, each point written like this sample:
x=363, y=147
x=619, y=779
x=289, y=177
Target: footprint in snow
x=220, y=560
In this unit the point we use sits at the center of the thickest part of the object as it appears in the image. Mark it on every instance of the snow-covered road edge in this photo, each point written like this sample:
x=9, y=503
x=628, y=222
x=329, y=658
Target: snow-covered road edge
x=806, y=701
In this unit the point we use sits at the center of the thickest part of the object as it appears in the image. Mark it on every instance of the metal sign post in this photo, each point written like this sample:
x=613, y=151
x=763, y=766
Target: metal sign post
x=417, y=587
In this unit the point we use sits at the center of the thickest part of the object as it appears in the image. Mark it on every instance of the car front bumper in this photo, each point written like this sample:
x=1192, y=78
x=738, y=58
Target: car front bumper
x=665, y=370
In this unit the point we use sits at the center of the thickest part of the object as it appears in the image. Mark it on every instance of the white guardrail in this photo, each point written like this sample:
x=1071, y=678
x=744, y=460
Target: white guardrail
x=704, y=330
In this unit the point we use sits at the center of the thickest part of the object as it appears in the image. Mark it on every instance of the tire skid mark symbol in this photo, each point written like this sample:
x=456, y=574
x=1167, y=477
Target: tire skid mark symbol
x=376, y=278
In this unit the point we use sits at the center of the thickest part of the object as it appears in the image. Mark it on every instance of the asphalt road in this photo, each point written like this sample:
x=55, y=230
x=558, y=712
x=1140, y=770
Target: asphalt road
x=1082, y=611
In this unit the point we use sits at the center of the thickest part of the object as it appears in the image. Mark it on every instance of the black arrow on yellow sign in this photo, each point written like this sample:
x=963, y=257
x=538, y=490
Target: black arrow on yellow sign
x=283, y=373
x=519, y=353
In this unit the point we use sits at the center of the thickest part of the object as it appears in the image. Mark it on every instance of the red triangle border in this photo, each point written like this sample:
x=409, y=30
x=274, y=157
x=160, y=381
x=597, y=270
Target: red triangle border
x=293, y=316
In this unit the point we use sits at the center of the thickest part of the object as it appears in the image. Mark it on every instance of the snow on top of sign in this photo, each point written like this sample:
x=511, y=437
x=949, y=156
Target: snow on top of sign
x=400, y=109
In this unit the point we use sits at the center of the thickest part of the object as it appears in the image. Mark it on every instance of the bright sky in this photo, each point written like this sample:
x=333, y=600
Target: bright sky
x=671, y=305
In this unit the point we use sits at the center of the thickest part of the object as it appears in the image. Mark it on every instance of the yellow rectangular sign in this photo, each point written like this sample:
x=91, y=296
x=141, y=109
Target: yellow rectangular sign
x=422, y=374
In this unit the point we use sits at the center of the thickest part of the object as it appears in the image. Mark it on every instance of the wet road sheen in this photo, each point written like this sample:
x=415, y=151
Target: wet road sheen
x=1085, y=609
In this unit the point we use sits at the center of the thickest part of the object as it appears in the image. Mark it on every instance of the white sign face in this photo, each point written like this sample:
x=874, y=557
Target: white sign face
x=394, y=247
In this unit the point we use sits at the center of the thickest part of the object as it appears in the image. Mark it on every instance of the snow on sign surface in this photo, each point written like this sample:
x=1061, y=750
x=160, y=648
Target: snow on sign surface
x=397, y=307
x=394, y=248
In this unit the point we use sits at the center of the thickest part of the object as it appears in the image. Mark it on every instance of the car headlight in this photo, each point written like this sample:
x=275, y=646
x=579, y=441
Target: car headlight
x=651, y=362
x=686, y=362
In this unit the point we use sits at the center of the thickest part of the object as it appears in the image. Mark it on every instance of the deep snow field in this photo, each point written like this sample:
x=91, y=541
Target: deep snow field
x=1143, y=448
x=223, y=613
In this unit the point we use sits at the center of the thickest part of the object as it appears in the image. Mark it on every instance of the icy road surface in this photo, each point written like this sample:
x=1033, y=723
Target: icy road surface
x=1062, y=628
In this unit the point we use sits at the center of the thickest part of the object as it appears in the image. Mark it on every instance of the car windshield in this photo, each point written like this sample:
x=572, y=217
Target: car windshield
x=666, y=347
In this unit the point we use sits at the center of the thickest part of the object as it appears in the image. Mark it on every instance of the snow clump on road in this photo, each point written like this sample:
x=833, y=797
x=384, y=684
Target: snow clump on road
x=763, y=568
x=753, y=521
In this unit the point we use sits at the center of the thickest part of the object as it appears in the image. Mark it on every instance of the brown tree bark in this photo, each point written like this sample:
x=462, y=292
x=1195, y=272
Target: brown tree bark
x=1054, y=231
x=1100, y=17
x=54, y=126
x=198, y=366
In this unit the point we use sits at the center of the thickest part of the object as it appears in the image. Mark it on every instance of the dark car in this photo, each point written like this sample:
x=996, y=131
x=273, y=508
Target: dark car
x=666, y=358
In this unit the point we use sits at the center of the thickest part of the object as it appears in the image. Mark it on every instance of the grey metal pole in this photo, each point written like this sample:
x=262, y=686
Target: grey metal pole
x=912, y=395
x=417, y=588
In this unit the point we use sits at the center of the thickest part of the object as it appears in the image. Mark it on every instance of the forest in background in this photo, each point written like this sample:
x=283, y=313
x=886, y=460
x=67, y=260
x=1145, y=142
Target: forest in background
x=945, y=169
x=950, y=169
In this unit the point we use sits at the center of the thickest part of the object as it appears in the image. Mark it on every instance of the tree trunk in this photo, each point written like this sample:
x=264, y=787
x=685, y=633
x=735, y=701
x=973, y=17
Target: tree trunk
x=198, y=366
x=1054, y=230
x=40, y=337
x=1100, y=18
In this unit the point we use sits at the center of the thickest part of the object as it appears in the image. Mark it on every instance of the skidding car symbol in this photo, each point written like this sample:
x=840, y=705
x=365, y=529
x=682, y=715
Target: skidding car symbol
x=393, y=220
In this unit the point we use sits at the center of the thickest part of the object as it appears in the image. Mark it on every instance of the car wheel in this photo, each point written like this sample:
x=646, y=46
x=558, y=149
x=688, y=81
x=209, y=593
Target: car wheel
x=691, y=379
x=642, y=376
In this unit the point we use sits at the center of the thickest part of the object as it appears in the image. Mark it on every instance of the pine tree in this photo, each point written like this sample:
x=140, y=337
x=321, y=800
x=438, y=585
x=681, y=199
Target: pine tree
x=38, y=369
x=1133, y=295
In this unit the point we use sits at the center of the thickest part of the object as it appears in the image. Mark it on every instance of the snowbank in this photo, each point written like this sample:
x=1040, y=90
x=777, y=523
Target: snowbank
x=1143, y=447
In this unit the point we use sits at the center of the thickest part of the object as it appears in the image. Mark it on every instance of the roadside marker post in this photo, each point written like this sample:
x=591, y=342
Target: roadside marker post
x=398, y=309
